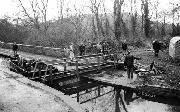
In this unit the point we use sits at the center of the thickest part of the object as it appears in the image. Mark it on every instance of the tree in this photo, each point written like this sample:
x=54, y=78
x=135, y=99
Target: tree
x=36, y=19
x=147, y=23
x=118, y=18
x=107, y=24
x=133, y=19
x=156, y=13
x=163, y=27
x=175, y=13
x=94, y=29
x=95, y=8
x=77, y=21
x=11, y=33
x=37, y=14
x=60, y=9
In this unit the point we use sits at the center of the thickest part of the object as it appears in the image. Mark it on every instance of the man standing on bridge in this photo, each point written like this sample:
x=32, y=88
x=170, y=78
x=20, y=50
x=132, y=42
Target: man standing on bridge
x=15, y=48
x=129, y=63
x=82, y=49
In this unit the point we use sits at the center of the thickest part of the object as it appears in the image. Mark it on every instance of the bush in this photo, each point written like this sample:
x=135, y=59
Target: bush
x=139, y=43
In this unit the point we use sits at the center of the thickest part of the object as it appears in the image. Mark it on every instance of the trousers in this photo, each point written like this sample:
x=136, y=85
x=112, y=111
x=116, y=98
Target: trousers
x=130, y=72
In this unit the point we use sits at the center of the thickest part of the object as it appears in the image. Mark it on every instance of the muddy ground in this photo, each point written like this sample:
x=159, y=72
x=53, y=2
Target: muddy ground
x=169, y=69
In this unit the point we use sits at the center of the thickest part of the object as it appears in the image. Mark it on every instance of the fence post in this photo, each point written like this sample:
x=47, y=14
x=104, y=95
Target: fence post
x=98, y=59
x=44, y=79
x=103, y=59
x=87, y=63
x=39, y=70
x=65, y=68
x=115, y=60
x=77, y=71
x=50, y=73
x=99, y=90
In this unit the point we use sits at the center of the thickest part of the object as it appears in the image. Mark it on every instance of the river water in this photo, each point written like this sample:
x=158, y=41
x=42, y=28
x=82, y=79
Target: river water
x=106, y=103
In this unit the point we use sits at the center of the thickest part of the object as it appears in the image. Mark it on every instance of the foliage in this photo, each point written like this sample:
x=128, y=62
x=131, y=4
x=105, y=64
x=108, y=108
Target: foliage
x=86, y=28
x=12, y=33
x=175, y=30
x=139, y=43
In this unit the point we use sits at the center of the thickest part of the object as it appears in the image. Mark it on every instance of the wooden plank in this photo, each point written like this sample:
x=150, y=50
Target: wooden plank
x=79, y=88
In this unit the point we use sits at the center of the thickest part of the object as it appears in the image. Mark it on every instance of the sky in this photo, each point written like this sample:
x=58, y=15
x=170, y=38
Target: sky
x=10, y=7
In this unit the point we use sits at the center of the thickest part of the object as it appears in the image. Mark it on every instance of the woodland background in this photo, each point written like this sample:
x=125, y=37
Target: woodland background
x=139, y=27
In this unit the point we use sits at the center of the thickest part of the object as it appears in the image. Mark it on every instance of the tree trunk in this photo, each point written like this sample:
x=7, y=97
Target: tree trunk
x=117, y=18
x=147, y=20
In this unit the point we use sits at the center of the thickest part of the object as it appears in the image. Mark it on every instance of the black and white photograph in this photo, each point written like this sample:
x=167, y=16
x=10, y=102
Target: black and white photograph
x=89, y=55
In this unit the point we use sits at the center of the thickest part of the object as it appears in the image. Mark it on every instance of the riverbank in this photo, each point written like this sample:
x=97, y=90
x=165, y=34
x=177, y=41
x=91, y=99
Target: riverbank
x=19, y=94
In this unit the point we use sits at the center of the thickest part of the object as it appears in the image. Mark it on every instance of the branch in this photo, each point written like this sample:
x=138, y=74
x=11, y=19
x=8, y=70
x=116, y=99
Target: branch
x=36, y=16
x=25, y=11
x=121, y=2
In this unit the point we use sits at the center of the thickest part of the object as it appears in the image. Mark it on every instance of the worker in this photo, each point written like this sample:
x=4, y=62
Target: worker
x=129, y=63
x=15, y=48
x=81, y=49
x=156, y=47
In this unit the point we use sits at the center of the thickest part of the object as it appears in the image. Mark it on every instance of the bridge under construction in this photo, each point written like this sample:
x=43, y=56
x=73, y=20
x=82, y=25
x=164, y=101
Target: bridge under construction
x=91, y=73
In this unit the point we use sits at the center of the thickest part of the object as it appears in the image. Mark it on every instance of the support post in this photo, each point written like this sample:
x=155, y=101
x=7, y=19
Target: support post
x=103, y=59
x=87, y=63
x=44, y=79
x=39, y=70
x=40, y=67
x=98, y=59
x=65, y=68
x=117, y=96
x=99, y=90
x=77, y=71
x=77, y=96
x=50, y=73
x=22, y=61
x=115, y=60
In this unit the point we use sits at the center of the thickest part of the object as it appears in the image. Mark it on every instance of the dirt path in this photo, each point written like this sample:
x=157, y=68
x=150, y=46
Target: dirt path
x=19, y=94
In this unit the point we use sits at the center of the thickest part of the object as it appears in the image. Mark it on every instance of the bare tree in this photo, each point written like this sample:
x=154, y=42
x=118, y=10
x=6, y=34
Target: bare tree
x=163, y=29
x=175, y=16
x=133, y=19
x=107, y=24
x=95, y=8
x=156, y=4
x=37, y=15
x=118, y=18
x=94, y=29
x=60, y=4
x=146, y=19
x=77, y=21
x=142, y=16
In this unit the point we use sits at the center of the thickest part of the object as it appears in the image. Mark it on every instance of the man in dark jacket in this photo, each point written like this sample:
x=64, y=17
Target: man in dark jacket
x=82, y=49
x=15, y=48
x=156, y=47
x=124, y=46
x=129, y=63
